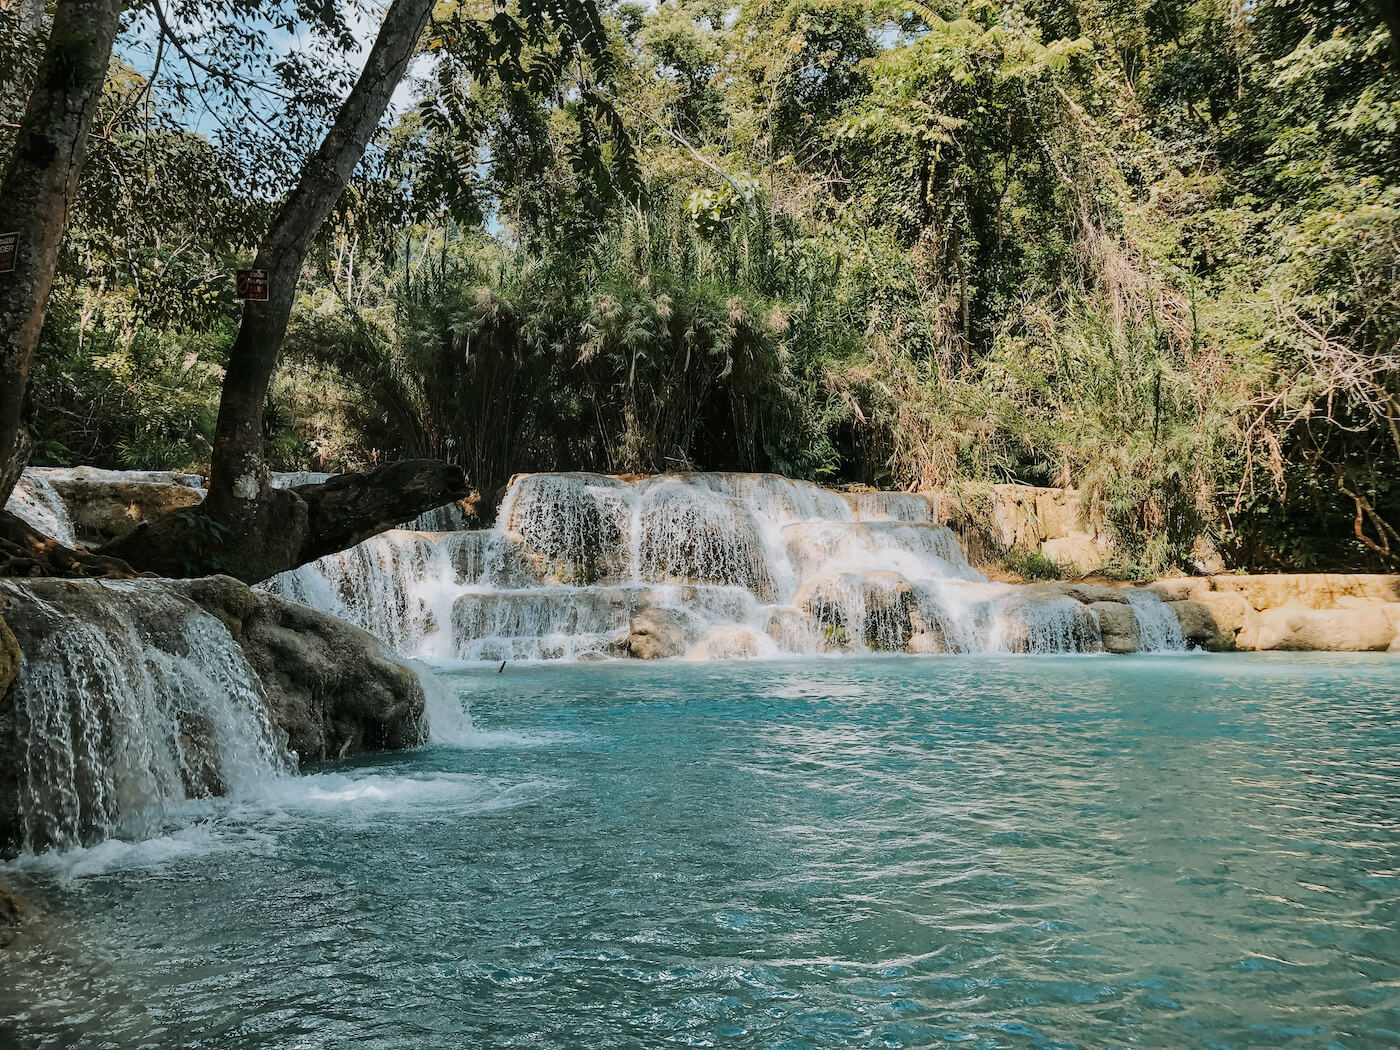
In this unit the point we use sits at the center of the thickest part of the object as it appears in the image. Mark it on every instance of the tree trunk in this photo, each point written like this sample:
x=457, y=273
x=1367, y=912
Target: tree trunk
x=238, y=473
x=292, y=526
x=246, y=528
x=38, y=188
x=1389, y=11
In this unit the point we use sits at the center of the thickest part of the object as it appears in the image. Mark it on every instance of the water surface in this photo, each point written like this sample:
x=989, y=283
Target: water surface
x=1158, y=851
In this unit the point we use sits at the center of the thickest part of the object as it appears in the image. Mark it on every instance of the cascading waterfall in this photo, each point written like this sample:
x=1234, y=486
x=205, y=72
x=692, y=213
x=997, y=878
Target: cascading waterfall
x=729, y=564
x=123, y=714
x=1158, y=628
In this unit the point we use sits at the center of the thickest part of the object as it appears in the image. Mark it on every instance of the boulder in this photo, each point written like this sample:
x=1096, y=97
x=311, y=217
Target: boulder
x=1118, y=625
x=333, y=688
x=105, y=510
x=15, y=911
x=1296, y=627
x=657, y=634
x=1199, y=626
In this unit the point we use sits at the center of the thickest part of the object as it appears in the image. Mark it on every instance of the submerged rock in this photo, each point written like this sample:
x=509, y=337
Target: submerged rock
x=15, y=911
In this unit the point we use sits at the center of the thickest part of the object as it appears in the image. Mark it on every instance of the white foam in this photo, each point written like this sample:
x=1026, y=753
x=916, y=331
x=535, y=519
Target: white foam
x=743, y=565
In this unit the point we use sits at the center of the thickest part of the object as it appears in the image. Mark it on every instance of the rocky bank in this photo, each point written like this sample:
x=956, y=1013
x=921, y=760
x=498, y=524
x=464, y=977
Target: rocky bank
x=138, y=693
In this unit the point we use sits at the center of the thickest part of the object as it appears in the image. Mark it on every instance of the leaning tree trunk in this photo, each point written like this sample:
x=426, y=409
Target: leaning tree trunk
x=39, y=183
x=246, y=528
x=238, y=473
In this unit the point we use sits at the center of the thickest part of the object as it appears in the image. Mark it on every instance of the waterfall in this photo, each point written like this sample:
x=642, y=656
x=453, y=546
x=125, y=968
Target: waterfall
x=38, y=503
x=1157, y=627
x=727, y=564
x=120, y=714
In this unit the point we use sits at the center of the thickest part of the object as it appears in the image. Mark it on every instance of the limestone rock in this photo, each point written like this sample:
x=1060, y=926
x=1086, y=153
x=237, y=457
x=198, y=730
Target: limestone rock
x=1078, y=550
x=1014, y=522
x=1199, y=626
x=1118, y=624
x=15, y=911
x=726, y=643
x=9, y=652
x=1317, y=590
x=657, y=634
x=1058, y=511
x=1087, y=593
x=884, y=600
x=792, y=629
x=330, y=686
x=926, y=643
x=105, y=510
x=1334, y=612
x=1296, y=627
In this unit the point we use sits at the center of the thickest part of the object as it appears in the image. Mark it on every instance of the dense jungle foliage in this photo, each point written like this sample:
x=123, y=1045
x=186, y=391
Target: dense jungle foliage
x=1150, y=248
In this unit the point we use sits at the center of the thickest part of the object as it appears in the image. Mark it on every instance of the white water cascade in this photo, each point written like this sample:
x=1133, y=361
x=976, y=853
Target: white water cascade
x=119, y=715
x=723, y=564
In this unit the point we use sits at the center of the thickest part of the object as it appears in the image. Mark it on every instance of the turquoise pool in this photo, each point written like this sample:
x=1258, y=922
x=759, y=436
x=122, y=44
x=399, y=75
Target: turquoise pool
x=1159, y=851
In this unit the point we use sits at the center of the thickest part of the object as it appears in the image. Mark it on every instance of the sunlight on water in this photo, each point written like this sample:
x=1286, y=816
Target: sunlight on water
x=1037, y=852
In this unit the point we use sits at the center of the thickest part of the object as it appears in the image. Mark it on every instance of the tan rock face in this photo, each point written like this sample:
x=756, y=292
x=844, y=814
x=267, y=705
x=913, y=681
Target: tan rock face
x=1014, y=521
x=657, y=634
x=1118, y=623
x=1078, y=549
x=1296, y=628
x=1059, y=513
x=107, y=510
x=1327, y=612
x=1319, y=590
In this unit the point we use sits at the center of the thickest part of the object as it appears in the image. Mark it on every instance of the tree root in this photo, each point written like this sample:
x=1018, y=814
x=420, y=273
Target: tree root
x=25, y=551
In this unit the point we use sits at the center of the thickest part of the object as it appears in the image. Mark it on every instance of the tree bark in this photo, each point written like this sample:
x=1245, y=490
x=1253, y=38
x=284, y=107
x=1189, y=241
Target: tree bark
x=238, y=472
x=1389, y=11
x=38, y=187
x=292, y=526
x=246, y=528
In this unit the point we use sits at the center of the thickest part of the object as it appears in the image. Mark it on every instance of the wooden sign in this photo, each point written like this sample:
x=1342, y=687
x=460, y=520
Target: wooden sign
x=9, y=251
x=252, y=284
